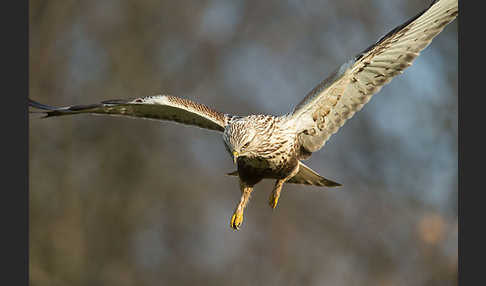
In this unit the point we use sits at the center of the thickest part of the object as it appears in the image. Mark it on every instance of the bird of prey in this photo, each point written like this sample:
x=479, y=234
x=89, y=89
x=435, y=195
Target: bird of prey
x=272, y=147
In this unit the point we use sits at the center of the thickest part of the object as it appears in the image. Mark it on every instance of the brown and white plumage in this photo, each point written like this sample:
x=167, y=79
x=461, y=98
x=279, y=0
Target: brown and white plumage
x=159, y=107
x=265, y=146
x=327, y=107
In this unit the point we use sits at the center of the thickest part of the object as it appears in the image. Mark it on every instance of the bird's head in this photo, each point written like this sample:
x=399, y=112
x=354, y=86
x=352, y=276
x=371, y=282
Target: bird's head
x=239, y=138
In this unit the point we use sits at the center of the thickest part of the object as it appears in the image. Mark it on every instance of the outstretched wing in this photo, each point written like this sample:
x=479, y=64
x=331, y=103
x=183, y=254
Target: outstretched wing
x=327, y=107
x=160, y=107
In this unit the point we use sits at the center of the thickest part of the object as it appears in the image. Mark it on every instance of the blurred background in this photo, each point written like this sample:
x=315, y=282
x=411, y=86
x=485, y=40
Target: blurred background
x=116, y=201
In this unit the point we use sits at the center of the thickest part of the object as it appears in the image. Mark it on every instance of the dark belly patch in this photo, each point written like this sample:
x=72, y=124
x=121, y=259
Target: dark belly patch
x=252, y=172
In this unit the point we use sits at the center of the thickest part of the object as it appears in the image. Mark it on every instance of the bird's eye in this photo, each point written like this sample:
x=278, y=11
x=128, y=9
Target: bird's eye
x=246, y=145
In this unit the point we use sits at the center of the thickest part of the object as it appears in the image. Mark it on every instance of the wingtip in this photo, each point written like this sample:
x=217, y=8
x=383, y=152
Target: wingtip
x=35, y=104
x=332, y=184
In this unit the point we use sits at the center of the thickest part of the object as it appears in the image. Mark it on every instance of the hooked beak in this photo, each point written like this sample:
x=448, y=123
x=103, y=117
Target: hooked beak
x=235, y=156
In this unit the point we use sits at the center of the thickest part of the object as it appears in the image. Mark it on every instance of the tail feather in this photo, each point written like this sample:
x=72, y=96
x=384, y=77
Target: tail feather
x=307, y=176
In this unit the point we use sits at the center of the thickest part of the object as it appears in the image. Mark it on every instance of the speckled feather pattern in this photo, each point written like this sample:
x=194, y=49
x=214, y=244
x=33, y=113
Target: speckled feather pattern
x=266, y=146
x=327, y=107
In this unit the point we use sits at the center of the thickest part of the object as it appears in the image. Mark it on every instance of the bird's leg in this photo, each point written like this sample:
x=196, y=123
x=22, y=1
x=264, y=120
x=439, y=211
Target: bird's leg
x=237, y=218
x=275, y=195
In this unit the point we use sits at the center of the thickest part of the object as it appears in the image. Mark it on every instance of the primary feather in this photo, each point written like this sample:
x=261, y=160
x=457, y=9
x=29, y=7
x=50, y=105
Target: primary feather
x=160, y=107
x=327, y=107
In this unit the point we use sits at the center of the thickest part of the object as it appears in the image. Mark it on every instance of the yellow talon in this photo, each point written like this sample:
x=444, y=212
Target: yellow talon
x=236, y=220
x=273, y=201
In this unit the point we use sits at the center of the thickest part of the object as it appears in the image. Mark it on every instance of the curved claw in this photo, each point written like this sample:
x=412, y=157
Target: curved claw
x=236, y=220
x=273, y=200
x=275, y=194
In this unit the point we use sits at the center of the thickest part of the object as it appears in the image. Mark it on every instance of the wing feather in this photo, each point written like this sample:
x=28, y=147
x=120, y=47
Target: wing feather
x=327, y=107
x=160, y=107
